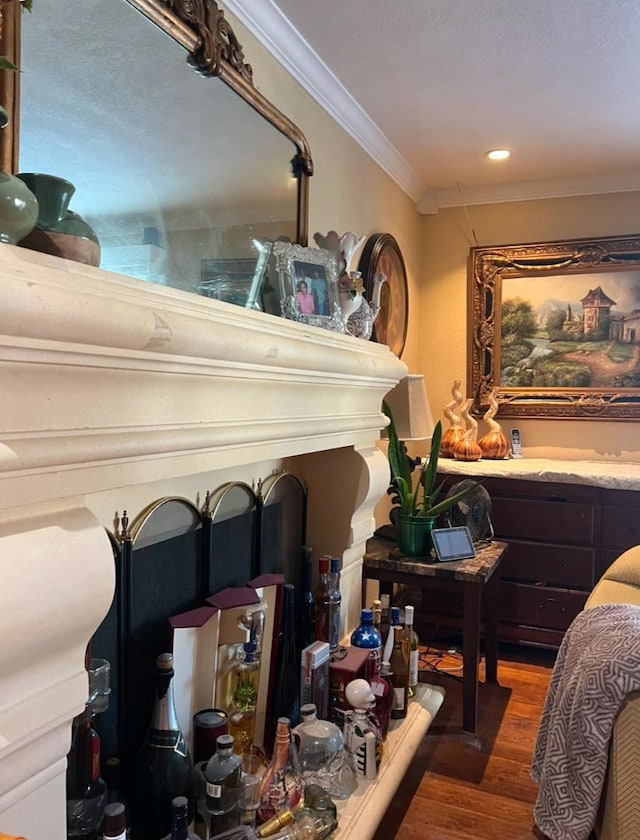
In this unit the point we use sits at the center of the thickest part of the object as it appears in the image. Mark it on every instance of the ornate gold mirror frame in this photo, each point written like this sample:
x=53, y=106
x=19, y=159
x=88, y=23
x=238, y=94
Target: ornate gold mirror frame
x=201, y=28
x=556, y=326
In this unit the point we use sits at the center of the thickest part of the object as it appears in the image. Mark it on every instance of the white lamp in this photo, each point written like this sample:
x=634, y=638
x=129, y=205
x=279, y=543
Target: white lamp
x=410, y=407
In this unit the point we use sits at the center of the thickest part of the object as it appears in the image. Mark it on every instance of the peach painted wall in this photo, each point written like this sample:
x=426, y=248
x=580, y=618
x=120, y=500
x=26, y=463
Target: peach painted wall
x=439, y=340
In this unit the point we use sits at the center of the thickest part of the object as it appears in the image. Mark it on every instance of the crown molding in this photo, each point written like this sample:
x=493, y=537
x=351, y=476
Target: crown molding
x=434, y=200
x=279, y=37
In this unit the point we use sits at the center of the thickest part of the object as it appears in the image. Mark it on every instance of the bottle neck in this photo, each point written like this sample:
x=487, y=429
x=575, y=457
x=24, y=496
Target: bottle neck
x=281, y=747
x=180, y=829
x=305, y=572
x=164, y=711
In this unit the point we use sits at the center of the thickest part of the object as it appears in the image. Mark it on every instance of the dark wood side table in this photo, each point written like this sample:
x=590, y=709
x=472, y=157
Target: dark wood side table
x=478, y=579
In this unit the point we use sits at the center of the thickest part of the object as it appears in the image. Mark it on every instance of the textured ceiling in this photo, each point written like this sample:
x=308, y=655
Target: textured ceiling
x=446, y=80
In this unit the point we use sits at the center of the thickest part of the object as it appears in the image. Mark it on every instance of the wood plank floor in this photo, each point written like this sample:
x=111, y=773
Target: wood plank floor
x=471, y=787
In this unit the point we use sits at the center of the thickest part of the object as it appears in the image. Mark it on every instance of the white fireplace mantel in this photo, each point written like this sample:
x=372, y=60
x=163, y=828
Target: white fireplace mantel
x=112, y=386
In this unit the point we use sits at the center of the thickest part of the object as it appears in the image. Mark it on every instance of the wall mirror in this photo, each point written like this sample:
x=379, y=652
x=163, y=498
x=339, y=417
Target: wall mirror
x=556, y=326
x=182, y=174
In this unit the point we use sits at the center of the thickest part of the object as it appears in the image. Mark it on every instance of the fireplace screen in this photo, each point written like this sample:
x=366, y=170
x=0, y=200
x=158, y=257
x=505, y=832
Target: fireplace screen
x=169, y=559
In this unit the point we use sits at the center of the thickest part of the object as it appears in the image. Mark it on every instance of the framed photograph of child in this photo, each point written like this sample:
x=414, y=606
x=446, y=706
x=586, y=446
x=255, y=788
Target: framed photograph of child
x=307, y=280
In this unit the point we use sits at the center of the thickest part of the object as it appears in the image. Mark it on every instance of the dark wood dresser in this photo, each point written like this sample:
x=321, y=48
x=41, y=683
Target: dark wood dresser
x=564, y=527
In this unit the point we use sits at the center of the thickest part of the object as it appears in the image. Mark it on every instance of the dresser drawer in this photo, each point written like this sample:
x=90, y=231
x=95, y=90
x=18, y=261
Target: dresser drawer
x=552, y=521
x=540, y=606
x=620, y=526
x=550, y=564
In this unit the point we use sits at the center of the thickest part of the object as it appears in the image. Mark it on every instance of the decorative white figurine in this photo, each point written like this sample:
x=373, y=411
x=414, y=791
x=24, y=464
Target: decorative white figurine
x=359, y=314
x=361, y=734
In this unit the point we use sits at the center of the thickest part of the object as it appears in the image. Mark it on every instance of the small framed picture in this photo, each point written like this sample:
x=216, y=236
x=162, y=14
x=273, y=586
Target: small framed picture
x=308, y=282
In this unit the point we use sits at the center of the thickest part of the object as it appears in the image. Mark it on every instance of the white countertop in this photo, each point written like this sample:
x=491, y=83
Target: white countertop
x=607, y=474
x=360, y=814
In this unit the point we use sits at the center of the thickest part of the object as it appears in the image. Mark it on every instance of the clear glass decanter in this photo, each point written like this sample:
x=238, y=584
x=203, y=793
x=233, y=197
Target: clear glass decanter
x=323, y=758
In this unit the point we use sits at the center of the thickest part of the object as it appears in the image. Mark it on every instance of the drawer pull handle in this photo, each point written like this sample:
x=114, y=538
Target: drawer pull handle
x=564, y=564
x=551, y=601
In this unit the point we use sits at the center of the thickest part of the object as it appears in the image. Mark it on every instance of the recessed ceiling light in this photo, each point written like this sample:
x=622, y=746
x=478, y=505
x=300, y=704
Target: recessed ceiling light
x=498, y=154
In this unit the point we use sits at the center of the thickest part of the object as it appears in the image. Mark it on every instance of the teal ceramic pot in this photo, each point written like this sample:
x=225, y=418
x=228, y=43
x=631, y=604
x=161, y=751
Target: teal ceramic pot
x=59, y=230
x=53, y=194
x=18, y=209
x=414, y=534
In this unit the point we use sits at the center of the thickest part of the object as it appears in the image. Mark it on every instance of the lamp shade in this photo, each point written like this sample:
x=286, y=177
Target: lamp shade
x=410, y=407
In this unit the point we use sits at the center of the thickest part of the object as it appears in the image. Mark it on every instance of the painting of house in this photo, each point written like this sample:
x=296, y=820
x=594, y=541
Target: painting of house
x=553, y=334
x=596, y=307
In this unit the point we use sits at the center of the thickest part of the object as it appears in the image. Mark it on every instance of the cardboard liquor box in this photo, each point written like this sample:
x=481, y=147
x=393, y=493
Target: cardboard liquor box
x=343, y=669
x=314, y=677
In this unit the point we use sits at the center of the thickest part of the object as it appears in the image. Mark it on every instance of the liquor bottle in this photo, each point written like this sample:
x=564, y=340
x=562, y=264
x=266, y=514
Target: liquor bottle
x=336, y=602
x=383, y=692
x=180, y=820
x=385, y=599
x=376, y=609
x=323, y=758
x=366, y=636
x=308, y=825
x=164, y=769
x=244, y=695
x=286, y=694
x=113, y=778
x=86, y=790
x=114, y=826
x=222, y=775
x=411, y=648
x=400, y=676
x=282, y=783
x=306, y=606
x=388, y=644
x=322, y=601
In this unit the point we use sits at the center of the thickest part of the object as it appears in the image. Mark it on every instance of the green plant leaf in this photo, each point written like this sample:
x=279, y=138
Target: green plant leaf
x=431, y=470
x=5, y=64
x=397, y=454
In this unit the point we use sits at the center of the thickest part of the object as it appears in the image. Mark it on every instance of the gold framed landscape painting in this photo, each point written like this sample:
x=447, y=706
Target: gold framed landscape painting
x=556, y=327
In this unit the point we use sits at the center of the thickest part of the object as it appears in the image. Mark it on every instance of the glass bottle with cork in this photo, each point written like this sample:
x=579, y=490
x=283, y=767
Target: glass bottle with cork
x=86, y=790
x=222, y=786
x=411, y=649
x=322, y=601
x=336, y=603
x=306, y=606
x=164, y=769
x=394, y=621
x=244, y=696
x=282, y=783
x=286, y=696
x=400, y=676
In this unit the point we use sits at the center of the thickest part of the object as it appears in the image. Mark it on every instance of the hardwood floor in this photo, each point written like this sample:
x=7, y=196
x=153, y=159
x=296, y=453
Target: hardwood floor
x=471, y=787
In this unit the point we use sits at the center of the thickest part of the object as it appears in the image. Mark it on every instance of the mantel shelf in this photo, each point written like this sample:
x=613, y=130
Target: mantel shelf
x=360, y=815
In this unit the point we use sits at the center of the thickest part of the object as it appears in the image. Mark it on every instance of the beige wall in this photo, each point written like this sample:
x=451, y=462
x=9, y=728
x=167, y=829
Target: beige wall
x=440, y=338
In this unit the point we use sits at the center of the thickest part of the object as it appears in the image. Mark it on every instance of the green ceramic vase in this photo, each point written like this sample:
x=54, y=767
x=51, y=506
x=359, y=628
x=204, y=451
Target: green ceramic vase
x=59, y=230
x=414, y=534
x=18, y=209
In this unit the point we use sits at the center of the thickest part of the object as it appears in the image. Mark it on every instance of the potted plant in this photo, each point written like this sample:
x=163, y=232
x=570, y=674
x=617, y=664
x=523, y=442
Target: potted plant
x=420, y=502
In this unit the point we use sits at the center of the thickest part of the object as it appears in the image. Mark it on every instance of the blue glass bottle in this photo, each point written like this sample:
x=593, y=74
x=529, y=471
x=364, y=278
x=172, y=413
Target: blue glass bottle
x=367, y=636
